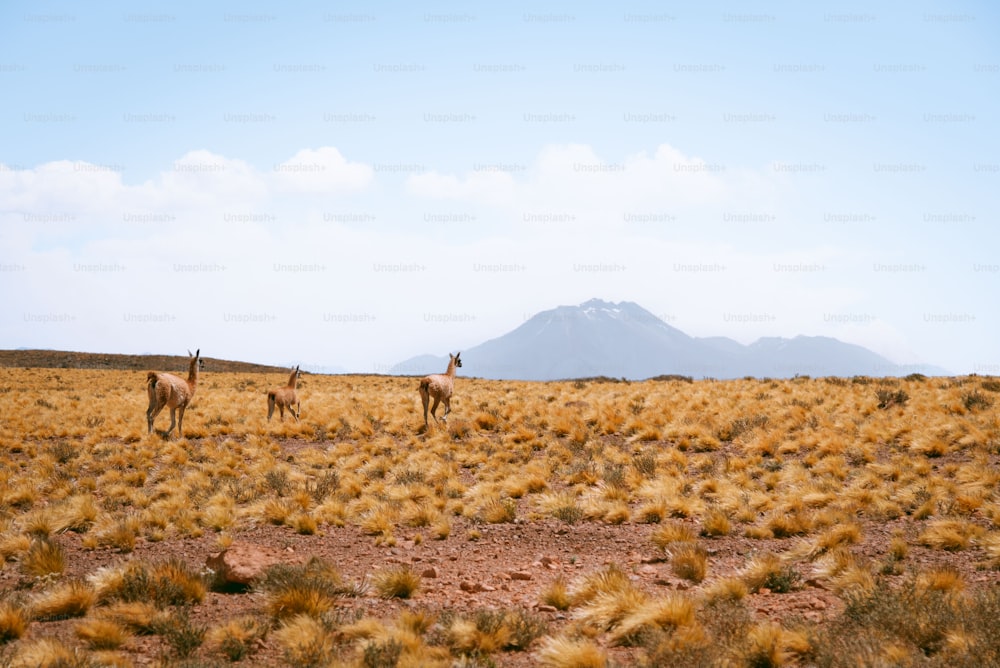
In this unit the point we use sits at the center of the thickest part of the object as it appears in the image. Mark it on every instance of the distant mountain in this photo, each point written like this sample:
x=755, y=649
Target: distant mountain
x=624, y=340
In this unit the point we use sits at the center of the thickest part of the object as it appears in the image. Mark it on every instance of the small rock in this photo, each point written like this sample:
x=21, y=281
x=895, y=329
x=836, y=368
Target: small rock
x=520, y=575
x=429, y=573
x=818, y=604
x=546, y=608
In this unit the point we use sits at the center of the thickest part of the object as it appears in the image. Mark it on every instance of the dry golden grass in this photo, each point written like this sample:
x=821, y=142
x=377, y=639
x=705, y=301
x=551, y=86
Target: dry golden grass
x=48, y=653
x=101, y=634
x=43, y=557
x=306, y=642
x=557, y=594
x=68, y=599
x=397, y=582
x=794, y=477
x=14, y=620
x=689, y=561
x=562, y=652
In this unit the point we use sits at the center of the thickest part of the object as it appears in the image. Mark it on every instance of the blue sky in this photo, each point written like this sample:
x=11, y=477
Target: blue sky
x=347, y=185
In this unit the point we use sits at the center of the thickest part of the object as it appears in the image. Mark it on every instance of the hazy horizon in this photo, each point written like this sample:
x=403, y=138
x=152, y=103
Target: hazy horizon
x=349, y=186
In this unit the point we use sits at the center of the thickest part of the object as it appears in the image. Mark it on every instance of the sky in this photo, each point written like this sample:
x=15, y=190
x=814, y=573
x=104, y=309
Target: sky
x=347, y=185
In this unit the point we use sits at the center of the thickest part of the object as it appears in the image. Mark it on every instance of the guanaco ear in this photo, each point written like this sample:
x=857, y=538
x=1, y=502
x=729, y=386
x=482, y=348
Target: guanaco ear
x=189, y=353
x=197, y=353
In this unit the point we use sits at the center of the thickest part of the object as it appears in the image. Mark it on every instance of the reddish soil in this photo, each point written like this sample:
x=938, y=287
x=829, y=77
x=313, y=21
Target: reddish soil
x=507, y=566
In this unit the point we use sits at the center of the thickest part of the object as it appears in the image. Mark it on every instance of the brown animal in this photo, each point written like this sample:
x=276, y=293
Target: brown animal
x=285, y=397
x=440, y=386
x=166, y=389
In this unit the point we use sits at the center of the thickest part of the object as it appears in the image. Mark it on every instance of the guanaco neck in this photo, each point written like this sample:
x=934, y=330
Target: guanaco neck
x=293, y=380
x=451, y=367
x=193, y=372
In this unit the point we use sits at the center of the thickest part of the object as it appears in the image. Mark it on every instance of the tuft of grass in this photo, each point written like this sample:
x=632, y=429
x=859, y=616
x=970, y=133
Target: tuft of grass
x=689, y=561
x=524, y=628
x=441, y=529
x=397, y=582
x=768, y=571
x=101, y=634
x=296, y=589
x=305, y=524
x=306, y=641
x=726, y=589
x=382, y=653
x=142, y=617
x=667, y=534
x=169, y=582
x=557, y=594
x=487, y=631
x=12, y=545
x=180, y=634
x=235, y=639
x=976, y=400
x=652, y=512
x=14, y=620
x=667, y=613
x=645, y=464
x=909, y=615
x=564, y=652
x=77, y=514
x=49, y=653
x=121, y=535
x=770, y=645
x=715, y=523
x=570, y=514
x=606, y=610
x=44, y=557
x=498, y=510
x=611, y=579
x=887, y=398
x=944, y=579
x=69, y=599
x=949, y=535
x=784, y=525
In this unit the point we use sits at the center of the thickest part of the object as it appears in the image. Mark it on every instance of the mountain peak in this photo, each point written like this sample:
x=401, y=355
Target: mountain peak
x=624, y=340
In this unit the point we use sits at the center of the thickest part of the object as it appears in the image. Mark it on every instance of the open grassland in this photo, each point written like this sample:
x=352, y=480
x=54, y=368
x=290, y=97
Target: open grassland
x=827, y=522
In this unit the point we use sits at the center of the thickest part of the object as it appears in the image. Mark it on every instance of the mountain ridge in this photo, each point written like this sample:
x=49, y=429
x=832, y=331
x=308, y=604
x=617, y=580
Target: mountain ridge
x=599, y=338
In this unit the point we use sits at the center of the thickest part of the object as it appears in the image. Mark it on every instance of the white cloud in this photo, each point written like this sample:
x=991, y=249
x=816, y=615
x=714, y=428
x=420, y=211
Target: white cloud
x=199, y=179
x=281, y=256
x=320, y=171
x=490, y=188
x=573, y=177
x=59, y=186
